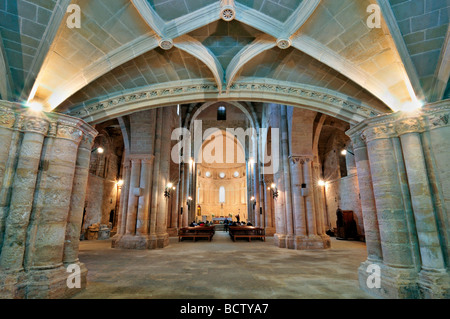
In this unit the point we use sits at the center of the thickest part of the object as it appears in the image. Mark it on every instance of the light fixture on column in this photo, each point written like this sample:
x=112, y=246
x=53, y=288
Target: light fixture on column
x=169, y=188
x=99, y=150
x=274, y=190
x=322, y=183
x=188, y=201
x=253, y=201
x=120, y=183
x=344, y=152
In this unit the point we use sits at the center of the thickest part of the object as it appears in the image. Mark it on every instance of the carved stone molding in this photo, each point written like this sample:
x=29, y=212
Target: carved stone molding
x=36, y=125
x=7, y=117
x=300, y=159
x=410, y=125
x=69, y=132
x=87, y=142
x=284, y=44
x=166, y=44
x=380, y=132
x=179, y=90
x=228, y=10
x=358, y=141
x=438, y=120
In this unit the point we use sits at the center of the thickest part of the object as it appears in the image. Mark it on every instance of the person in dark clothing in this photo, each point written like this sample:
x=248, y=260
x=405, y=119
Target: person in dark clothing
x=226, y=225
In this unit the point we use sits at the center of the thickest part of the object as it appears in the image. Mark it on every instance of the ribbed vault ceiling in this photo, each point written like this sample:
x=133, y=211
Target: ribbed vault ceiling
x=118, y=48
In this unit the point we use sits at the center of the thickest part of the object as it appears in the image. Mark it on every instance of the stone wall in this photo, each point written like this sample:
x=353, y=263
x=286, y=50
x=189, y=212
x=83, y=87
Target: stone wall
x=44, y=162
x=344, y=193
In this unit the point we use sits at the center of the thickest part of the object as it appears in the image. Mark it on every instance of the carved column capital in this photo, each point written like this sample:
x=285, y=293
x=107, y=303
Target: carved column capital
x=379, y=132
x=36, y=125
x=69, y=131
x=294, y=160
x=7, y=117
x=409, y=125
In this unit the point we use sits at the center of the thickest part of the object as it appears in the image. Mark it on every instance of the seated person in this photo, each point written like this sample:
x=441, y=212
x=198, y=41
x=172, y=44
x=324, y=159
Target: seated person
x=249, y=224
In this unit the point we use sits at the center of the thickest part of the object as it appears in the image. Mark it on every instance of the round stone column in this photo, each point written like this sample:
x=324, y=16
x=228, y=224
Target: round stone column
x=432, y=259
x=51, y=212
x=124, y=198
x=143, y=218
x=7, y=122
x=23, y=188
x=297, y=198
x=80, y=180
x=134, y=194
x=309, y=198
x=370, y=219
x=392, y=221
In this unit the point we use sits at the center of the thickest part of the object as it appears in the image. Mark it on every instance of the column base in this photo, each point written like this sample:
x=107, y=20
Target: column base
x=434, y=284
x=395, y=283
x=312, y=242
x=173, y=232
x=13, y=284
x=141, y=242
x=290, y=242
x=270, y=231
x=40, y=283
x=279, y=240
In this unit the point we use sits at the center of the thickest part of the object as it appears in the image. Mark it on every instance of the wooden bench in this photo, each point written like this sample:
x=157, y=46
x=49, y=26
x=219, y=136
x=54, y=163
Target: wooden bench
x=196, y=232
x=247, y=232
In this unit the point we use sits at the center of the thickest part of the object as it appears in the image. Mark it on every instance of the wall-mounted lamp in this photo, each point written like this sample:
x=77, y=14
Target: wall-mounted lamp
x=273, y=188
x=99, y=150
x=188, y=201
x=322, y=183
x=253, y=201
x=120, y=183
x=344, y=152
x=169, y=188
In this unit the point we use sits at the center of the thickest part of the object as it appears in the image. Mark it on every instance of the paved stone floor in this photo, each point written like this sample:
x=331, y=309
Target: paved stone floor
x=222, y=269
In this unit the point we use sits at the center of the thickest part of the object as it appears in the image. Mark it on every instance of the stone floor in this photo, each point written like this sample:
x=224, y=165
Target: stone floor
x=222, y=269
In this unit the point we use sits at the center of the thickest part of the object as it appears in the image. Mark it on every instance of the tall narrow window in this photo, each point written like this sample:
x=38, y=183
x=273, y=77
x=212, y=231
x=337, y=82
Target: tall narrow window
x=221, y=113
x=222, y=195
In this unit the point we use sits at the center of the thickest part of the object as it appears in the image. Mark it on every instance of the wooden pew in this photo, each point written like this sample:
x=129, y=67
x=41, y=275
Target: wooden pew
x=196, y=232
x=247, y=232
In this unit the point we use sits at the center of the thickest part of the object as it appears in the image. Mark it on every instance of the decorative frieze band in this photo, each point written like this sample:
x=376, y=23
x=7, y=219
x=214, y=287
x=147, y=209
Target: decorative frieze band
x=184, y=89
x=13, y=116
x=300, y=159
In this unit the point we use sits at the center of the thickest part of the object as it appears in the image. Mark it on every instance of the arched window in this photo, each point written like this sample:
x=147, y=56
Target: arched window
x=222, y=195
x=221, y=113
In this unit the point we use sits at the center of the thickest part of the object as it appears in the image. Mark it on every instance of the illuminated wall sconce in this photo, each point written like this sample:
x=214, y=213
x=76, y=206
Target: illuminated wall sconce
x=120, y=183
x=99, y=150
x=322, y=183
x=253, y=201
x=168, y=190
x=344, y=152
x=274, y=191
x=188, y=201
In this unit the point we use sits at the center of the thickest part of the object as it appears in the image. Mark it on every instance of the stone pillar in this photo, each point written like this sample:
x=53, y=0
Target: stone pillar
x=398, y=271
x=309, y=198
x=317, y=200
x=23, y=189
x=134, y=193
x=298, y=202
x=45, y=203
x=143, y=219
x=287, y=180
x=433, y=265
x=8, y=144
x=124, y=200
x=75, y=219
x=369, y=210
